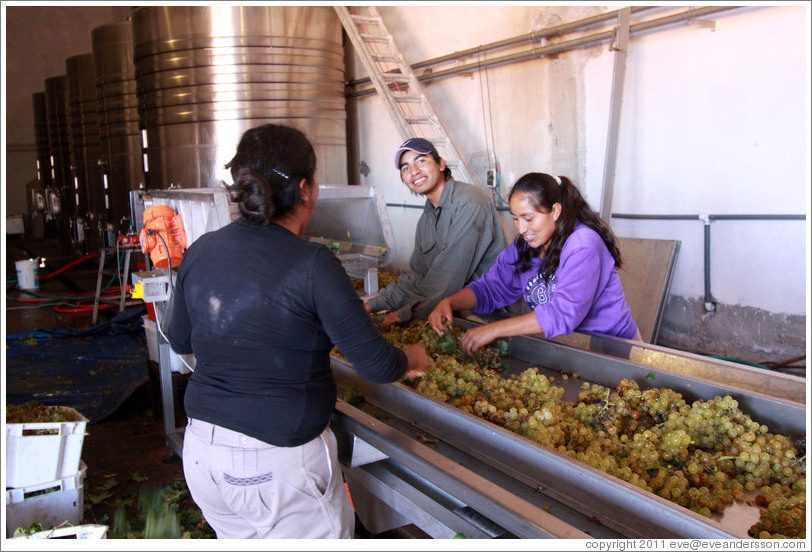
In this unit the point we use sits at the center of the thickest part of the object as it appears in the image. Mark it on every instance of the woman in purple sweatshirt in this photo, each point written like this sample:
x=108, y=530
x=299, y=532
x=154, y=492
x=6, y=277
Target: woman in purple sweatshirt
x=563, y=263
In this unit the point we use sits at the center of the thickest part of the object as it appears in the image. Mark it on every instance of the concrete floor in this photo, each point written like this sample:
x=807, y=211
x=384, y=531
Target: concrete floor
x=127, y=447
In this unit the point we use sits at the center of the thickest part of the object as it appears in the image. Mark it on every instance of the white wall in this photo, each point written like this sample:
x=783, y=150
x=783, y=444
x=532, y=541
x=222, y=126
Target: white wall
x=713, y=122
x=716, y=122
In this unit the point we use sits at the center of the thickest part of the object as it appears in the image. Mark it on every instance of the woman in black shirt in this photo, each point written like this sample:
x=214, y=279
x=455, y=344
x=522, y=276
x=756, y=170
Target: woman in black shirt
x=261, y=309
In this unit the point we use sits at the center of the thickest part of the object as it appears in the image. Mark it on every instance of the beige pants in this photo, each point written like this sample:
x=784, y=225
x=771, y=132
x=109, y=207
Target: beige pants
x=248, y=489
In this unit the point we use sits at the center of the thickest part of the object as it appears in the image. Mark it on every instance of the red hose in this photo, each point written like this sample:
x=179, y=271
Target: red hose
x=71, y=264
x=82, y=306
x=110, y=291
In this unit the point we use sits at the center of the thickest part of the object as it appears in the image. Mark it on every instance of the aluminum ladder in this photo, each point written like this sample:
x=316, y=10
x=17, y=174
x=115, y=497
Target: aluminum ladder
x=397, y=84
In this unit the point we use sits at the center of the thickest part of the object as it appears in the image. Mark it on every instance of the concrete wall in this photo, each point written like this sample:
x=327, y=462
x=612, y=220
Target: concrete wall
x=38, y=40
x=714, y=120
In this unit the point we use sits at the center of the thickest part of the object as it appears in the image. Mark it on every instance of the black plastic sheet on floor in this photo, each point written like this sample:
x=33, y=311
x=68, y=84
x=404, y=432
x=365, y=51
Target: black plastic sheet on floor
x=93, y=371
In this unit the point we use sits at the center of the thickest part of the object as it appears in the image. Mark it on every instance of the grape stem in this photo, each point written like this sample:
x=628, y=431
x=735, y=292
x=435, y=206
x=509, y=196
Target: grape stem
x=606, y=403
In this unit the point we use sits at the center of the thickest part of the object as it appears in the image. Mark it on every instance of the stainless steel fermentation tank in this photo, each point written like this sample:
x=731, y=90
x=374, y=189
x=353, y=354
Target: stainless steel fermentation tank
x=41, y=139
x=205, y=74
x=85, y=149
x=56, y=103
x=61, y=197
x=35, y=191
x=118, y=120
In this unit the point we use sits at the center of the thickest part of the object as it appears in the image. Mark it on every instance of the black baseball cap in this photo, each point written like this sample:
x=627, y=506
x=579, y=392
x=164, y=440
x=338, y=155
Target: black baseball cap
x=417, y=145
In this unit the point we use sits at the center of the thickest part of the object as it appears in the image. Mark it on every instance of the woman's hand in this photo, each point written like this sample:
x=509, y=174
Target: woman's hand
x=477, y=337
x=418, y=360
x=440, y=312
x=390, y=320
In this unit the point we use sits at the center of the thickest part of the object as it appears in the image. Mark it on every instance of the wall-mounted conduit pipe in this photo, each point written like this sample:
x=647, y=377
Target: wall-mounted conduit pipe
x=535, y=36
x=620, y=46
x=710, y=302
x=551, y=49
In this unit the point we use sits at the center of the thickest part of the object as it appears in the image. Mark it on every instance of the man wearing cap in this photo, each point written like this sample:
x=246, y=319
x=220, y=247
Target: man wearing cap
x=458, y=236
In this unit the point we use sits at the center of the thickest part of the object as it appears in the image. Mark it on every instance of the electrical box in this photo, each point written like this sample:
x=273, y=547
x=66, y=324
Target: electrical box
x=150, y=286
x=490, y=177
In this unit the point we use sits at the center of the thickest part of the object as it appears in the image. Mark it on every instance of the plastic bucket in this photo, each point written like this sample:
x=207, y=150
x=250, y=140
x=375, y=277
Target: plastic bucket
x=27, y=274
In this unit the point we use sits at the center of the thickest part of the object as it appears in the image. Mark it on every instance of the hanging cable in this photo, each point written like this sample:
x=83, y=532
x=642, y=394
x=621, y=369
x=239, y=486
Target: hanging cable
x=490, y=139
x=496, y=164
x=484, y=118
x=172, y=286
x=490, y=118
x=494, y=195
x=168, y=258
x=180, y=356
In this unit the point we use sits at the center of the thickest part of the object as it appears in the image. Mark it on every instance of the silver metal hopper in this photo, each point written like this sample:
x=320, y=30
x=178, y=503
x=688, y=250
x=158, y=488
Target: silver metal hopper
x=354, y=223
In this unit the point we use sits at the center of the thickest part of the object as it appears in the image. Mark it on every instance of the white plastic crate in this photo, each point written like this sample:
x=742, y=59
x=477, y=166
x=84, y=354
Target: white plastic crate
x=87, y=531
x=50, y=504
x=33, y=459
x=14, y=224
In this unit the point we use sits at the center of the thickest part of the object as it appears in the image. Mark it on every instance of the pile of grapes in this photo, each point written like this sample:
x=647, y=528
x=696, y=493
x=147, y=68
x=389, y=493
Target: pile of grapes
x=448, y=343
x=36, y=412
x=703, y=456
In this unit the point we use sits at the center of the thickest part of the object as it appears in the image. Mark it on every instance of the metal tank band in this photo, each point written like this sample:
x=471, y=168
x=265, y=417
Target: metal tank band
x=206, y=74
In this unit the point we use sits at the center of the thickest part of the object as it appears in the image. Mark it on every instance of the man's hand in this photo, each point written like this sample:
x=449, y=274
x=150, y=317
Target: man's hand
x=440, y=312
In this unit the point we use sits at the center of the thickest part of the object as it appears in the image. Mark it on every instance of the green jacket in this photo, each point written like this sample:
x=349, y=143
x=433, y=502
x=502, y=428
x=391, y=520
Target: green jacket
x=455, y=243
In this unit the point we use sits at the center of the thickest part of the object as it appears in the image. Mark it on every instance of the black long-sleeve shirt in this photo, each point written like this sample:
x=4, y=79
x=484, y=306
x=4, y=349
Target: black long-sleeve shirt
x=261, y=309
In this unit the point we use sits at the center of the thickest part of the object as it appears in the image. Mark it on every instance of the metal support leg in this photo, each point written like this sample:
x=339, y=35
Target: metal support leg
x=123, y=279
x=174, y=434
x=98, y=288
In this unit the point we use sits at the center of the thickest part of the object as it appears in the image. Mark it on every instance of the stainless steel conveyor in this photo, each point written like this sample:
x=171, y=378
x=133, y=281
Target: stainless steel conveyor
x=401, y=448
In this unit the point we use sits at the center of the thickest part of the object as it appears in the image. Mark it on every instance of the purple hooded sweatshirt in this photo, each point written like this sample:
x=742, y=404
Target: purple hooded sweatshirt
x=584, y=294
